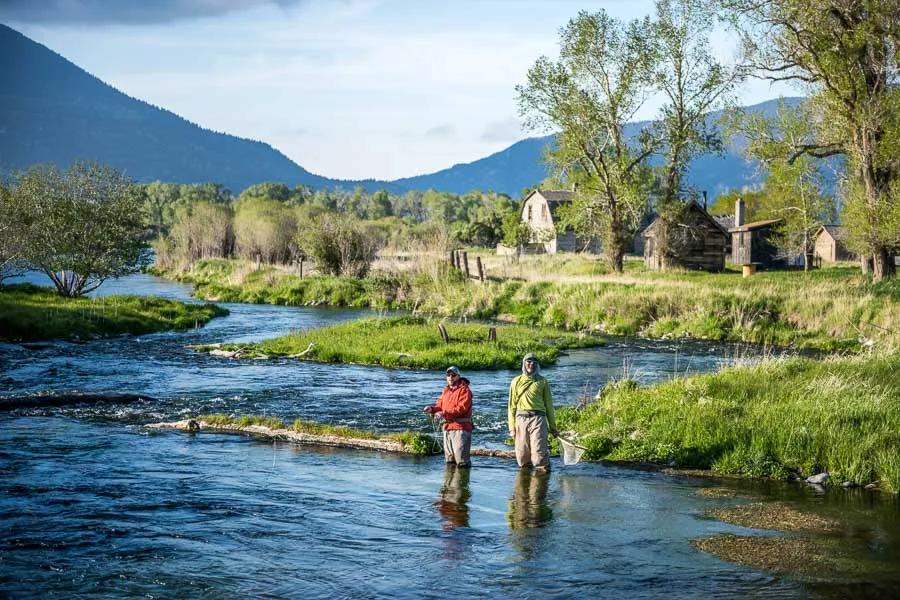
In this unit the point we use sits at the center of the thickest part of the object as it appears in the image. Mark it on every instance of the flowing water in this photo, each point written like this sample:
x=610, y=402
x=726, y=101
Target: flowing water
x=94, y=504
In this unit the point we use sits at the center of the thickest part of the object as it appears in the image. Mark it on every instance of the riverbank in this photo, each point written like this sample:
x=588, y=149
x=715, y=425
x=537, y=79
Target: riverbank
x=33, y=313
x=780, y=418
x=827, y=309
x=414, y=342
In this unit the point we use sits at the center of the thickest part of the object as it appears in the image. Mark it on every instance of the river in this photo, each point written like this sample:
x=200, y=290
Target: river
x=94, y=504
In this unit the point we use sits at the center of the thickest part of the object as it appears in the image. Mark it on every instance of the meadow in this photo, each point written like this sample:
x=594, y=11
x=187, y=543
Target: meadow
x=416, y=342
x=30, y=313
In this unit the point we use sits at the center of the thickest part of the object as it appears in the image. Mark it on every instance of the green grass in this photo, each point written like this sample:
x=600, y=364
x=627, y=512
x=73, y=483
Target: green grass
x=840, y=415
x=30, y=313
x=415, y=342
x=833, y=308
x=412, y=442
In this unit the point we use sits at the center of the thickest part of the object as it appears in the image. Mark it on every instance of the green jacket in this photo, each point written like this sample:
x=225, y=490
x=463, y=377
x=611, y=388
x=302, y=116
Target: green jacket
x=530, y=393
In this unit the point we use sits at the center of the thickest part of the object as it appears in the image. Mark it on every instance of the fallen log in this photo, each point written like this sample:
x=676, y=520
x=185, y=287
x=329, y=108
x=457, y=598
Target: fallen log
x=66, y=399
x=289, y=435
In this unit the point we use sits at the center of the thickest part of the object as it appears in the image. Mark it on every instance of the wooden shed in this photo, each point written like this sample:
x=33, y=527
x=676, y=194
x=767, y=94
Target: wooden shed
x=701, y=243
x=752, y=245
x=539, y=210
x=830, y=246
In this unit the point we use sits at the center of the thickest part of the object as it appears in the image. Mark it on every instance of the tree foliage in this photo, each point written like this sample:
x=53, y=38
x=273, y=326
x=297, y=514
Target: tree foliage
x=11, y=239
x=265, y=230
x=846, y=53
x=80, y=227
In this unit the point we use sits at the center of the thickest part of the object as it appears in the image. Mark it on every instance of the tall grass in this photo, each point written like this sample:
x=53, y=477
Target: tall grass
x=415, y=342
x=30, y=312
x=831, y=309
x=840, y=415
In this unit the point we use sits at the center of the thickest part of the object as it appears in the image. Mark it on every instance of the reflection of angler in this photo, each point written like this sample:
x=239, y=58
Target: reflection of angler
x=453, y=503
x=528, y=506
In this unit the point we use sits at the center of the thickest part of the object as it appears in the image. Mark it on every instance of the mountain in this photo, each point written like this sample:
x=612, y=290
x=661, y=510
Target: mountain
x=521, y=165
x=53, y=111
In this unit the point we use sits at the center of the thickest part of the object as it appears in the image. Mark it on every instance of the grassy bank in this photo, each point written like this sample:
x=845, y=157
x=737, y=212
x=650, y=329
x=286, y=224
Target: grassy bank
x=414, y=443
x=415, y=342
x=840, y=415
x=30, y=313
x=829, y=309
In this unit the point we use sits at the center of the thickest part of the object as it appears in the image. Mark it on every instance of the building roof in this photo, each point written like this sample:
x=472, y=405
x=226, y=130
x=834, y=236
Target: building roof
x=650, y=229
x=835, y=231
x=754, y=225
x=726, y=222
x=554, y=198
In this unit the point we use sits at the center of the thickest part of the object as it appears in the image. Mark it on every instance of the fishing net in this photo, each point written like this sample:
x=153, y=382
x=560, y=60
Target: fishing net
x=571, y=452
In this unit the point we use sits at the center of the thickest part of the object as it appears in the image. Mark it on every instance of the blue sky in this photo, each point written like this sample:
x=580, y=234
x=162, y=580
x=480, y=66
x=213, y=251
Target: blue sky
x=346, y=88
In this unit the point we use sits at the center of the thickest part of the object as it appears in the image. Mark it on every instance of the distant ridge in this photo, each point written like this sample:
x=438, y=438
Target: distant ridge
x=53, y=111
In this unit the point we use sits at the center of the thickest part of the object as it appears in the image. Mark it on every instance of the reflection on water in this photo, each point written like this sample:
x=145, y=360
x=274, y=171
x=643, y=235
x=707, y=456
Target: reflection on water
x=529, y=510
x=453, y=504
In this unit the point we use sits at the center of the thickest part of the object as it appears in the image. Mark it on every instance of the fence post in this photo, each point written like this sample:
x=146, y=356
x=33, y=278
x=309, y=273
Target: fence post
x=480, y=269
x=444, y=335
x=301, y=267
x=492, y=334
x=465, y=260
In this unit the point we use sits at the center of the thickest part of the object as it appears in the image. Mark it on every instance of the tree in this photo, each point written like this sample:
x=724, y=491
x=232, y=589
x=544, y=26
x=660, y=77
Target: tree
x=268, y=190
x=793, y=190
x=693, y=83
x=201, y=230
x=601, y=79
x=161, y=202
x=80, y=227
x=11, y=240
x=846, y=53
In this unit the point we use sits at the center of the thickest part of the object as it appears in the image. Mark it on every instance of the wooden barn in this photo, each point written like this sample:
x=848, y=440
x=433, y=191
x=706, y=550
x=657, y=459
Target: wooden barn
x=701, y=243
x=539, y=210
x=752, y=244
x=830, y=245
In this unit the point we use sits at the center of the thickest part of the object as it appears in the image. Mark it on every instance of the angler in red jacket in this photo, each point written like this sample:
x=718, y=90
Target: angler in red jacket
x=455, y=408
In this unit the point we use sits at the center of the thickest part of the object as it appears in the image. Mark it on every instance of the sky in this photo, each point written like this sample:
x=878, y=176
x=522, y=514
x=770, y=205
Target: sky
x=349, y=89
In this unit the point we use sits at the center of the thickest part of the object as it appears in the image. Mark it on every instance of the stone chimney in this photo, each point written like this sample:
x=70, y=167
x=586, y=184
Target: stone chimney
x=574, y=186
x=739, y=212
x=704, y=199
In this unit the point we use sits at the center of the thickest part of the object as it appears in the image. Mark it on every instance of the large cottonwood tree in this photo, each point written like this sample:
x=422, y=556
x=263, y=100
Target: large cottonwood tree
x=692, y=83
x=602, y=77
x=846, y=53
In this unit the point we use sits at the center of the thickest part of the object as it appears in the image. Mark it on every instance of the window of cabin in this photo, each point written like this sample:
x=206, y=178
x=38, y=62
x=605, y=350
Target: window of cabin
x=529, y=212
x=544, y=212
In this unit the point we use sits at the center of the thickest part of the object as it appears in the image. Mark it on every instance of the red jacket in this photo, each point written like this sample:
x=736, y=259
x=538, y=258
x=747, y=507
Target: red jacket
x=456, y=404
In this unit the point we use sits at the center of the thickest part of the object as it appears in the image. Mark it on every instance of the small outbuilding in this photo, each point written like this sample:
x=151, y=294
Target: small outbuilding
x=830, y=244
x=752, y=244
x=698, y=243
x=540, y=211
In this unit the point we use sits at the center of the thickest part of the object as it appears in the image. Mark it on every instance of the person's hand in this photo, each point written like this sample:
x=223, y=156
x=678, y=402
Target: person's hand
x=428, y=409
x=439, y=416
x=512, y=432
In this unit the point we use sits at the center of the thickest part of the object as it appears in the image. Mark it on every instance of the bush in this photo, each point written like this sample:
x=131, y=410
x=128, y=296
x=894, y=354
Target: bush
x=339, y=245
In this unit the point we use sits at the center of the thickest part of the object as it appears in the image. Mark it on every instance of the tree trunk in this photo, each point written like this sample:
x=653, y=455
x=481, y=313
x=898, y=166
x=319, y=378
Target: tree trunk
x=883, y=266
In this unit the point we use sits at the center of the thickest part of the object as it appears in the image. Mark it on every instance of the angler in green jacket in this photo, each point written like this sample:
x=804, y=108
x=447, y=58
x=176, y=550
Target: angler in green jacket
x=530, y=415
